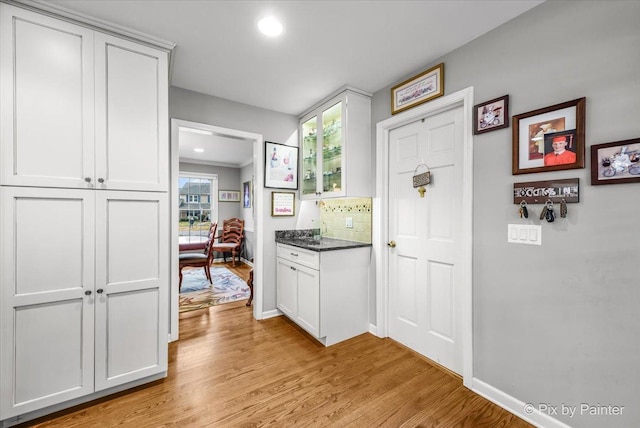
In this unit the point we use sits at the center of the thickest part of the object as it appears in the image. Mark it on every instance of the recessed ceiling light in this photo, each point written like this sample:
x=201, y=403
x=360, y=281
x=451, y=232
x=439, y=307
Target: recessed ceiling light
x=198, y=150
x=270, y=26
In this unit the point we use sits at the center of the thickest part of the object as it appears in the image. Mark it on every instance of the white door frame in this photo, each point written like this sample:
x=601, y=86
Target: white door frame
x=462, y=98
x=258, y=174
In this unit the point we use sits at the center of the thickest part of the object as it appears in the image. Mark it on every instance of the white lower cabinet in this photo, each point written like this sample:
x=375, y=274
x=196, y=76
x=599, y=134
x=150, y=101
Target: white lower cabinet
x=84, y=278
x=325, y=293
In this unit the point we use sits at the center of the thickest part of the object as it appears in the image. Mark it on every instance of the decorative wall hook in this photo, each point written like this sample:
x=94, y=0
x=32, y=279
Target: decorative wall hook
x=421, y=180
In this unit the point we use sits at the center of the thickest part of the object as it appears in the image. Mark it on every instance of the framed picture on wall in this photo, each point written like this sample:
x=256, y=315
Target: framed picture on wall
x=418, y=89
x=246, y=194
x=617, y=162
x=491, y=115
x=280, y=166
x=549, y=139
x=228, y=196
x=283, y=204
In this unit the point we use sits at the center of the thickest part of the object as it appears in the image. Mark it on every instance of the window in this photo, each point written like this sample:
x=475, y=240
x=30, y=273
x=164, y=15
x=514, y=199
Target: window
x=196, y=208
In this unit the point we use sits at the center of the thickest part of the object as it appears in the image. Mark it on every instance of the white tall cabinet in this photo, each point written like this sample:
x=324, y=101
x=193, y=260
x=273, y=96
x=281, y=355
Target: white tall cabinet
x=84, y=223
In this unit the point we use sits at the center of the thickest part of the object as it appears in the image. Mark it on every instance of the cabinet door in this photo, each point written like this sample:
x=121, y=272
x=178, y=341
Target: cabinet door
x=287, y=288
x=46, y=110
x=132, y=261
x=309, y=300
x=47, y=300
x=332, y=149
x=323, y=157
x=309, y=169
x=132, y=144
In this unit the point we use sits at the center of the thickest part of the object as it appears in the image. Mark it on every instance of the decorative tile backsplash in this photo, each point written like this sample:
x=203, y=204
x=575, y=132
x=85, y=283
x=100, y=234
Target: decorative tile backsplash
x=334, y=213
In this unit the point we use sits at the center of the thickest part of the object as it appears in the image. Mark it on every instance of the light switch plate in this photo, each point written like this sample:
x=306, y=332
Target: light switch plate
x=529, y=234
x=349, y=223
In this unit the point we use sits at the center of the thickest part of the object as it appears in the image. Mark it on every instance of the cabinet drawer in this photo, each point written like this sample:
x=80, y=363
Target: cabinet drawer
x=304, y=257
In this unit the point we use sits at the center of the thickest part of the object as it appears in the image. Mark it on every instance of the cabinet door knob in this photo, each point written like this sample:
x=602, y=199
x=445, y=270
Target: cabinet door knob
x=87, y=179
x=100, y=180
x=87, y=293
x=99, y=291
x=292, y=268
x=391, y=244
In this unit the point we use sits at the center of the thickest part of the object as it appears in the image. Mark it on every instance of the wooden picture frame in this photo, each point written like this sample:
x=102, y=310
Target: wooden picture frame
x=533, y=149
x=280, y=166
x=283, y=204
x=418, y=89
x=617, y=162
x=491, y=115
x=228, y=196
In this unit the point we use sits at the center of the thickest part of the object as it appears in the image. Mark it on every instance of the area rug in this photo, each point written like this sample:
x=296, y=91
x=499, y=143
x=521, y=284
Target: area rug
x=198, y=293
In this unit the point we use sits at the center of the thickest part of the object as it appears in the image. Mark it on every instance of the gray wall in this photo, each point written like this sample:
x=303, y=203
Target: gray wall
x=273, y=126
x=559, y=323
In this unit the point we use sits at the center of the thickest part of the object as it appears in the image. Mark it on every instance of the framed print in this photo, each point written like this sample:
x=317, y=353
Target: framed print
x=617, y=162
x=283, y=204
x=491, y=115
x=549, y=139
x=228, y=196
x=246, y=194
x=281, y=166
x=419, y=89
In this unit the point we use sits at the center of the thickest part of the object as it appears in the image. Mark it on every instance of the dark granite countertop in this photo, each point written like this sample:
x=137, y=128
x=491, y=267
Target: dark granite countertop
x=304, y=239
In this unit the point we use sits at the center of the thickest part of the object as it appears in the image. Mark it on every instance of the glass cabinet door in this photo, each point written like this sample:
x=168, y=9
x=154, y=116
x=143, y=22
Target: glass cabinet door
x=309, y=166
x=332, y=149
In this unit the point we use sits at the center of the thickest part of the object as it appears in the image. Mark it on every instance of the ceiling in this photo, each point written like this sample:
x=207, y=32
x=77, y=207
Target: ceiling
x=325, y=46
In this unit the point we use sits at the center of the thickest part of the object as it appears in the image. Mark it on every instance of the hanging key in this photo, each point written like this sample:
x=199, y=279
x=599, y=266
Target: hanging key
x=520, y=212
x=549, y=215
x=563, y=208
x=544, y=212
x=524, y=212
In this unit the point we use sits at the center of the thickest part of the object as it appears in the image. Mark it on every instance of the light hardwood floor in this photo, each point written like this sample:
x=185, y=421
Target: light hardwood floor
x=229, y=370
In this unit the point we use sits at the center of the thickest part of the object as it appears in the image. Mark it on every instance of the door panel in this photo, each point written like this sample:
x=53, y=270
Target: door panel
x=131, y=117
x=287, y=287
x=132, y=324
x=309, y=299
x=46, y=269
x=131, y=286
x=423, y=267
x=47, y=100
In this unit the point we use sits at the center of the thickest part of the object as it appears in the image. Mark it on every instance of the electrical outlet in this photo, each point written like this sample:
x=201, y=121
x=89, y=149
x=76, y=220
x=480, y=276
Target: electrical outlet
x=349, y=223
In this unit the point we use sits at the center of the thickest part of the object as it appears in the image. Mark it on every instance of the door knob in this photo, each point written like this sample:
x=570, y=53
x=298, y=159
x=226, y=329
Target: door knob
x=391, y=244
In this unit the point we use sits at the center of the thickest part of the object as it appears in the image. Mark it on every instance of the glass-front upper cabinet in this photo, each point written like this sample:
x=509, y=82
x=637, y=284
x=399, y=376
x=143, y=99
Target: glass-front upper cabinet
x=332, y=149
x=324, y=138
x=309, y=162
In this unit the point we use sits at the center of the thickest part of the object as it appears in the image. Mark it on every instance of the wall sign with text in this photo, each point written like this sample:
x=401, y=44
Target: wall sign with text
x=539, y=192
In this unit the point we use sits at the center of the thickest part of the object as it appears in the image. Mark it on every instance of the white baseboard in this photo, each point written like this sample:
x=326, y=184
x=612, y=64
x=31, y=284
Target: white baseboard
x=526, y=411
x=271, y=314
x=373, y=329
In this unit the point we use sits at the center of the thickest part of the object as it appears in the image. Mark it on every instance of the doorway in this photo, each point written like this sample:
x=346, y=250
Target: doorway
x=407, y=302
x=258, y=182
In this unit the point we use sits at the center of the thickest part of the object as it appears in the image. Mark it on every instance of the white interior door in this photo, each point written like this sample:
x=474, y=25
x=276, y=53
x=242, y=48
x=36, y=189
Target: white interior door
x=425, y=299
